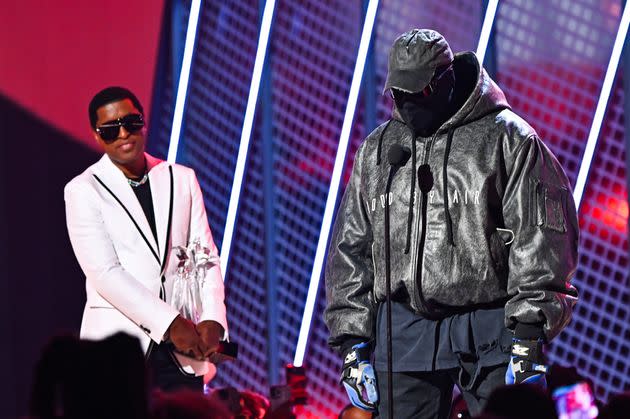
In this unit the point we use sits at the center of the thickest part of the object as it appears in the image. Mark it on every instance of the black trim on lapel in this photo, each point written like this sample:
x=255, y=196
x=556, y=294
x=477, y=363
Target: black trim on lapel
x=168, y=236
x=170, y=220
x=157, y=258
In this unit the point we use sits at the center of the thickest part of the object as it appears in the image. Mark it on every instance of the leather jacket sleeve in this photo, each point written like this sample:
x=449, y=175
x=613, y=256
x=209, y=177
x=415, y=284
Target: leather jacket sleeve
x=538, y=207
x=349, y=275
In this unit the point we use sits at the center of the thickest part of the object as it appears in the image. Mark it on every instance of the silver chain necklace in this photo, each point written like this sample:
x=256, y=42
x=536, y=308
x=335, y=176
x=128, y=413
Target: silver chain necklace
x=136, y=183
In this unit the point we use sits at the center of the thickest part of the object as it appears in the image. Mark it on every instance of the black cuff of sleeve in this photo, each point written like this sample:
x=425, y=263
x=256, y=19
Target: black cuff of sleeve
x=347, y=345
x=529, y=331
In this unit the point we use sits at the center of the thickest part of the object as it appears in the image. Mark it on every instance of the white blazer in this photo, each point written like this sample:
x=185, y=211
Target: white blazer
x=122, y=269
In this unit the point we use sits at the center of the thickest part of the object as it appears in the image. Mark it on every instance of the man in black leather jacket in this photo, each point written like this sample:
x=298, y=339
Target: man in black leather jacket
x=483, y=233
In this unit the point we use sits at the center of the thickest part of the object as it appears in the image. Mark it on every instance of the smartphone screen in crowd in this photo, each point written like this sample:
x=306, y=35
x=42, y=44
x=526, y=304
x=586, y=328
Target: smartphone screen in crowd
x=575, y=402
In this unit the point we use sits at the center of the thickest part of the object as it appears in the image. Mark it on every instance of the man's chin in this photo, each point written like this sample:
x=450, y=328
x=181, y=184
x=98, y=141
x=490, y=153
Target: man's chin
x=127, y=158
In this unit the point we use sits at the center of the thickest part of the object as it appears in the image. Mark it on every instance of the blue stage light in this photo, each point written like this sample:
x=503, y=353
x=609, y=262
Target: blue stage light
x=344, y=139
x=184, y=75
x=250, y=111
x=486, y=29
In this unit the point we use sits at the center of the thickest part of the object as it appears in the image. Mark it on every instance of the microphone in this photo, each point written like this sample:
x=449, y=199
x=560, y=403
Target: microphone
x=425, y=178
x=398, y=157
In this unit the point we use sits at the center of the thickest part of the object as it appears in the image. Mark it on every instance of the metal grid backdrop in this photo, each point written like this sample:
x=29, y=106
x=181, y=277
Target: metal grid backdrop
x=598, y=341
x=551, y=63
x=215, y=110
x=221, y=73
x=313, y=50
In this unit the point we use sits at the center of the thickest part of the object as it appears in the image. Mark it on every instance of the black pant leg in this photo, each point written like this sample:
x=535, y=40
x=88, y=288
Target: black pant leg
x=488, y=379
x=425, y=395
x=166, y=375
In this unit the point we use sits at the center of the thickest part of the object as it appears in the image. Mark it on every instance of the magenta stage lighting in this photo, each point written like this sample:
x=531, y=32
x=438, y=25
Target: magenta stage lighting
x=604, y=95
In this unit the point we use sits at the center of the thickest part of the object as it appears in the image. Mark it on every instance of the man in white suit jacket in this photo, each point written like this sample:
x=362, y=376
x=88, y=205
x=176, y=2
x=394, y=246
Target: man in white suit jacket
x=125, y=214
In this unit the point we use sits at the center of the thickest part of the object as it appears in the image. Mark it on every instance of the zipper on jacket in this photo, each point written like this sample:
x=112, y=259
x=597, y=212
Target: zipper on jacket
x=374, y=266
x=419, y=248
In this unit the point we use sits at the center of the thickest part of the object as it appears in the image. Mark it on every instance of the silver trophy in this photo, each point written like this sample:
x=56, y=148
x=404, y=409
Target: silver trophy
x=194, y=262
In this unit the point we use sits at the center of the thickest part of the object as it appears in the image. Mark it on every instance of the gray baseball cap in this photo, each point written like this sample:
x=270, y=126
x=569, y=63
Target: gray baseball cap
x=413, y=59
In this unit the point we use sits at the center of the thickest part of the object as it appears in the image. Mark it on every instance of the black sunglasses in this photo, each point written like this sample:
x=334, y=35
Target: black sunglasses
x=428, y=91
x=110, y=130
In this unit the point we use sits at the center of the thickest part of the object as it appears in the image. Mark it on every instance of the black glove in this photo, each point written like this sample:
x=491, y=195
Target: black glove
x=359, y=378
x=527, y=362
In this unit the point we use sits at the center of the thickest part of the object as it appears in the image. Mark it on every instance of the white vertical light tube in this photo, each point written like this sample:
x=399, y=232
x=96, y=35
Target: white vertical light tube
x=600, y=111
x=486, y=29
x=250, y=111
x=184, y=76
x=331, y=200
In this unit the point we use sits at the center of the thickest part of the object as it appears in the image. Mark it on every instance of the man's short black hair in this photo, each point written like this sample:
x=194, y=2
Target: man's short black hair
x=109, y=95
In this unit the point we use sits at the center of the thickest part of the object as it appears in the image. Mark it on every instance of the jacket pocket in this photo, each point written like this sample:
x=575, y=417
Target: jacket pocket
x=549, y=206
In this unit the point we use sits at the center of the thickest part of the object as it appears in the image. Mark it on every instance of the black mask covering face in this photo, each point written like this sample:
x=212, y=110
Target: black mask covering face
x=425, y=114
